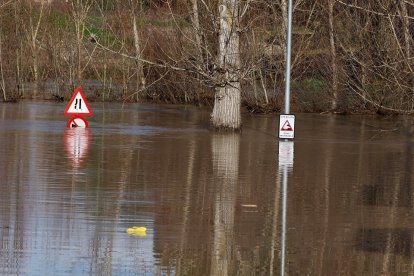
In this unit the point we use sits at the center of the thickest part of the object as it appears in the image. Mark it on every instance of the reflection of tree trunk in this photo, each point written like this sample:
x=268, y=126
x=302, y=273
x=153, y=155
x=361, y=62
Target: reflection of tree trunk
x=327, y=175
x=402, y=177
x=225, y=152
x=186, y=208
x=126, y=157
x=408, y=180
x=390, y=222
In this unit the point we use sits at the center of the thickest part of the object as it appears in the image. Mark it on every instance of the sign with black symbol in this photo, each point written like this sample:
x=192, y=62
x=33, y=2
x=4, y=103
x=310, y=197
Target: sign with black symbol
x=77, y=121
x=286, y=126
x=78, y=104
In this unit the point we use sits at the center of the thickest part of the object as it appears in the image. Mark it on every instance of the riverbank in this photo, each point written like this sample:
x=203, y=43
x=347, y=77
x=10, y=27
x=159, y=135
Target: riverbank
x=307, y=97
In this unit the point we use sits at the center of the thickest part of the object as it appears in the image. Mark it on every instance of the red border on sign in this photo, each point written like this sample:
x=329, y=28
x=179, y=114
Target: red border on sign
x=68, y=124
x=78, y=90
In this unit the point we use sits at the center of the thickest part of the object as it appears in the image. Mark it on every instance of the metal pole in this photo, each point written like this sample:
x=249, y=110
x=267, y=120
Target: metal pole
x=288, y=58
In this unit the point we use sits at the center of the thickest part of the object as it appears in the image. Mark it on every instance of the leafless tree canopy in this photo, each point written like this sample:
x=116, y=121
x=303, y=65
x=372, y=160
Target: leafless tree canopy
x=348, y=56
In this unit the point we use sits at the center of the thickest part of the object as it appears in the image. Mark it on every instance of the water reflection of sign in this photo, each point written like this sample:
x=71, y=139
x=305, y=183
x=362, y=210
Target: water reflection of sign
x=78, y=104
x=286, y=126
x=77, y=142
x=286, y=153
x=77, y=122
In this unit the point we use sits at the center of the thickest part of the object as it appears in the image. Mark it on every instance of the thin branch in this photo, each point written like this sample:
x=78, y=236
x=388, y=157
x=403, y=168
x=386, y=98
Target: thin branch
x=147, y=86
x=195, y=70
x=6, y=3
x=372, y=11
x=398, y=43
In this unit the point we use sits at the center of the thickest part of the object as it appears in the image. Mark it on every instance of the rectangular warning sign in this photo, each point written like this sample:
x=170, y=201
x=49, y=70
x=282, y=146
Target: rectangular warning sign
x=286, y=126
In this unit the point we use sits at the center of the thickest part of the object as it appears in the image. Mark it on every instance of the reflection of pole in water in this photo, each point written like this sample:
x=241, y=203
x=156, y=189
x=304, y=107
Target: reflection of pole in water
x=286, y=153
x=77, y=141
x=284, y=219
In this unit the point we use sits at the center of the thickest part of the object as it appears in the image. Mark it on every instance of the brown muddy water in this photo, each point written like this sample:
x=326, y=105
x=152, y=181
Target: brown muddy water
x=213, y=204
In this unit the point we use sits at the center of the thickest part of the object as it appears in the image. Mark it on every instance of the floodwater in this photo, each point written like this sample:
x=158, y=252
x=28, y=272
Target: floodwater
x=336, y=201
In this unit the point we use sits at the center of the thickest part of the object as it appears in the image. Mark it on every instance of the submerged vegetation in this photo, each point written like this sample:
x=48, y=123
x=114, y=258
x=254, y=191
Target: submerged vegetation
x=346, y=57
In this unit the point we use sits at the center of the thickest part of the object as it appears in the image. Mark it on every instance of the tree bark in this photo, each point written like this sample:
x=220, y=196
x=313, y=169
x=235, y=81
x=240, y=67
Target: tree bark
x=34, y=32
x=226, y=111
x=406, y=27
x=2, y=84
x=284, y=10
x=334, y=103
x=141, y=82
x=80, y=12
x=196, y=25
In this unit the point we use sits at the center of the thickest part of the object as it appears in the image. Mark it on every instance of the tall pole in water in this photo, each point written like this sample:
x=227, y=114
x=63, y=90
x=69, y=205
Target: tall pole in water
x=286, y=120
x=288, y=57
x=285, y=167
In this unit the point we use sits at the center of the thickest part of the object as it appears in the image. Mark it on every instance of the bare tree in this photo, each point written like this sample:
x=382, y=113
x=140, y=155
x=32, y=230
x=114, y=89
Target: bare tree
x=33, y=34
x=80, y=10
x=136, y=10
x=406, y=29
x=334, y=104
x=227, y=101
x=2, y=84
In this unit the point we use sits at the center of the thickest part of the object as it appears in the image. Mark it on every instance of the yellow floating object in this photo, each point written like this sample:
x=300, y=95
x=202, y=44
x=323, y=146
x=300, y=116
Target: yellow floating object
x=137, y=231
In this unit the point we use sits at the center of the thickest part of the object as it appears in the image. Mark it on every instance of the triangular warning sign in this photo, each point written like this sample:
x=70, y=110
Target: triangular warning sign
x=286, y=126
x=78, y=104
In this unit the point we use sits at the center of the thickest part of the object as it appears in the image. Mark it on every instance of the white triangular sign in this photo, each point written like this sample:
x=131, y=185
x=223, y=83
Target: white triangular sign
x=78, y=104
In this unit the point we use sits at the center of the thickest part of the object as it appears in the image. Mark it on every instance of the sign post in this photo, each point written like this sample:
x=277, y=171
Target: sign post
x=287, y=122
x=78, y=107
x=286, y=131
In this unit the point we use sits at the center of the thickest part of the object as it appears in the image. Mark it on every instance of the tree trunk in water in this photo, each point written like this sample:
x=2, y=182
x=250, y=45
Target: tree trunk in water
x=334, y=103
x=226, y=111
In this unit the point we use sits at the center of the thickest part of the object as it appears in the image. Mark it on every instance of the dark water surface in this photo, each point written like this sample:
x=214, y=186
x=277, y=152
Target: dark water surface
x=212, y=203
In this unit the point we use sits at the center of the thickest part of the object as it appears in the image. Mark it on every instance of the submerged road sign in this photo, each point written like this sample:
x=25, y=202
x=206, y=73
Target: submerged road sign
x=287, y=126
x=77, y=122
x=78, y=105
